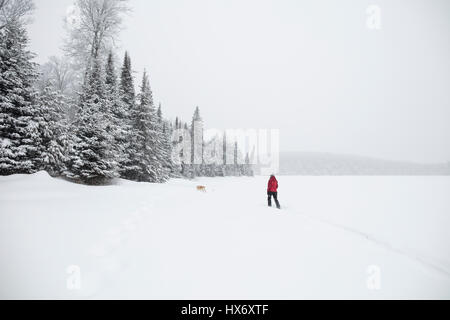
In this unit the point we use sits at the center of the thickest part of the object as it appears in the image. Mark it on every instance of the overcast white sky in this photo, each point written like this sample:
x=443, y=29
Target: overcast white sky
x=309, y=68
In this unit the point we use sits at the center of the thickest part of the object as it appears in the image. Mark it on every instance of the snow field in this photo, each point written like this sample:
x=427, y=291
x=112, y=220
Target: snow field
x=151, y=241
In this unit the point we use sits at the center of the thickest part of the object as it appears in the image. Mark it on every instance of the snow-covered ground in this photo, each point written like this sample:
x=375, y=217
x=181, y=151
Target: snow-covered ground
x=335, y=238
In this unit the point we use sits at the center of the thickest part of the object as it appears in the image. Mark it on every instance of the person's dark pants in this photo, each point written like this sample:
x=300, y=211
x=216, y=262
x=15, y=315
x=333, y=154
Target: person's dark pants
x=275, y=196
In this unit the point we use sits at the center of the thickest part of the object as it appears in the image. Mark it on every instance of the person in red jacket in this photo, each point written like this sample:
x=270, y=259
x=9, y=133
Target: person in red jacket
x=272, y=191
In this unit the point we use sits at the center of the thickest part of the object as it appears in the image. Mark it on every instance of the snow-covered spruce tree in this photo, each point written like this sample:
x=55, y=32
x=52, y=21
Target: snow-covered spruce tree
x=90, y=157
x=237, y=168
x=166, y=145
x=145, y=147
x=176, y=171
x=127, y=91
x=52, y=130
x=19, y=134
x=225, y=150
x=248, y=170
x=185, y=167
x=197, y=143
x=176, y=139
x=118, y=114
x=127, y=168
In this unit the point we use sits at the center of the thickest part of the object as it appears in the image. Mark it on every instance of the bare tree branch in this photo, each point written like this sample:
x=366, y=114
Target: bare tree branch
x=97, y=28
x=15, y=11
x=58, y=73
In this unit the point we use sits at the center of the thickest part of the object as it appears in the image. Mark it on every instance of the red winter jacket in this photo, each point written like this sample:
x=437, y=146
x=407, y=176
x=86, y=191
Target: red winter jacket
x=273, y=185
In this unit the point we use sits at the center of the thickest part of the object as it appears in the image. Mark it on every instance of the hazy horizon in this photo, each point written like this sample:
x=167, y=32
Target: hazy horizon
x=309, y=68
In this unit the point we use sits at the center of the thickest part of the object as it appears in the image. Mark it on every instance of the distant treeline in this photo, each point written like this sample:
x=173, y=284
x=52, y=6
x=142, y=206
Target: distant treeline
x=324, y=164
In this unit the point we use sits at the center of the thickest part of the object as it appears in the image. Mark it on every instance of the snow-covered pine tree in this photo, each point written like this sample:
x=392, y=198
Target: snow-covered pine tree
x=185, y=156
x=127, y=168
x=52, y=129
x=236, y=166
x=118, y=111
x=166, y=145
x=19, y=135
x=127, y=91
x=248, y=170
x=225, y=150
x=90, y=159
x=176, y=169
x=145, y=147
x=176, y=139
x=197, y=143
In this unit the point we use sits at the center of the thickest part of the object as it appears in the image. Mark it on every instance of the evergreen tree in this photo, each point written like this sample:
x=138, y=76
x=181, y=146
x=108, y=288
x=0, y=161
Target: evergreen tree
x=118, y=115
x=166, y=146
x=127, y=167
x=159, y=114
x=90, y=158
x=19, y=118
x=145, y=148
x=225, y=149
x=127, y=91
x=197, y=143
x=248, y=171
x=236, y=168
x=111, y=77
x=52, y=129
